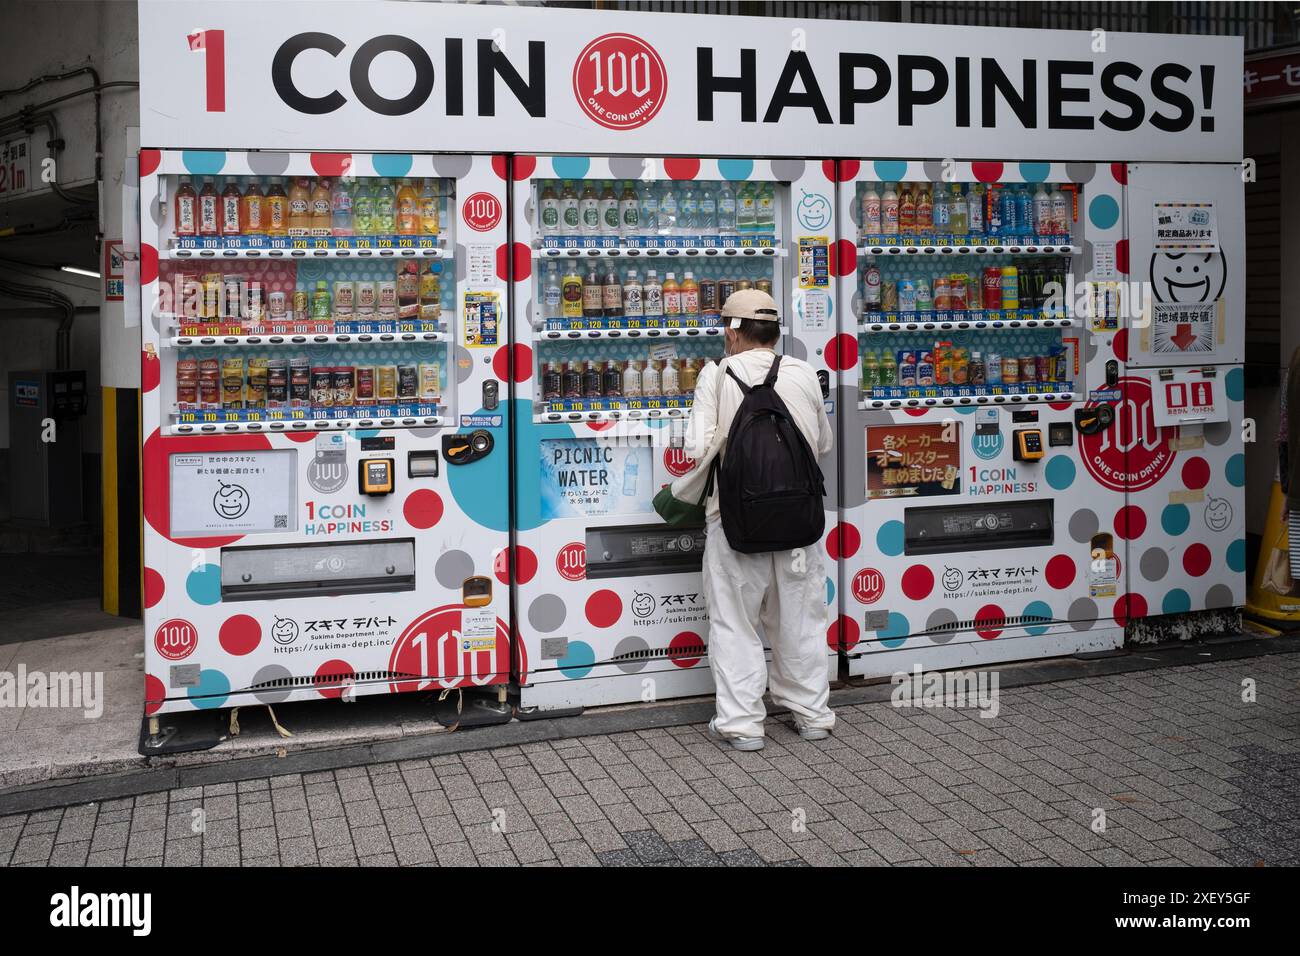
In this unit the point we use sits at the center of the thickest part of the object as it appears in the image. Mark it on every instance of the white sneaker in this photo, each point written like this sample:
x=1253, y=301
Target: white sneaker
x=737, y=743
x=812, y=733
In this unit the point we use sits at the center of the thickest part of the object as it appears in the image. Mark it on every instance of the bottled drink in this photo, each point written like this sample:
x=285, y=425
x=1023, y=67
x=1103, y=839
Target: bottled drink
x=629, y=208
x=408, y=209
x=924, y=211
x=299, y=207
x=887, y=370
x=230, y=201
x=250, y=210
x=765, y=214
x=653, y=295
x=321, y=212
x=631, y=381
x=746, y=209
x=276, y=209
x=613, y=294
x=871, y=211
x=871, y=287
x=1010, y=217
x=649, y=212
x=187, y=209
x=650, y=385
x=571, y=294
x=687, y=211
x=385, y=220
x=889, y=211
x=690, y=291
x=612, y=380
x=667, y=211
x=341, y=209
x=1042, y=212
x=942, y=213
x=668, y=382
x=550, y=382
x=593, y=305
x=591, y=381
x=551, y=295
x=1024, y=212
x=363, y=210
x=1062, y=213
x=957, y=212
x=975, y=209
x=726, y=210
x=708, y=214
x=870, y=370
x=589, y=210
x=672, y=296
x=906, y=211
x=633, y=296
x=209, y=214
x=571, y=381
x=570, y=216
x=430, y=209
x=993, y=212
x=549, y=206
x=608, y=209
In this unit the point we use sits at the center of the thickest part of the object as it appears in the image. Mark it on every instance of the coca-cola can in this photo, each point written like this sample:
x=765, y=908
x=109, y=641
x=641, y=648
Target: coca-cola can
x=992, y=285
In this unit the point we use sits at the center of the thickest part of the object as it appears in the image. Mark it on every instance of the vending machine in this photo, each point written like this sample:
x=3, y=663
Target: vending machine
x=624, y=267
x=973, y=528
x=326, y=437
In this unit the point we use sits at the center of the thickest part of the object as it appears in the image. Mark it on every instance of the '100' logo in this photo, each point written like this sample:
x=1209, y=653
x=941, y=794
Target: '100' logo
x=1133, y=453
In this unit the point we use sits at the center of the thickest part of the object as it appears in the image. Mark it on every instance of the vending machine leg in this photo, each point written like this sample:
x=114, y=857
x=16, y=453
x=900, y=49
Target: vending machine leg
x=182, y=733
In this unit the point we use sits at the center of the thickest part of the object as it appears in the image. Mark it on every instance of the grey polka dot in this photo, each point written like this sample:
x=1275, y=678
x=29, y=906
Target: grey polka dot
x=855, y=213
x=631, y=648
x=1090, y=346
x=797, y=349
x=1220, y=595
x=1080, y=172
x=1083, y=614
x=452, y=568
x=269, y=674
x=939, y=618
x=268, y=164
x=547, y=613
x=934, y=171
x=528, y=212
x=853, y=491
x=528, y=313
x=628, y=167
x=452, y=166
x=1154, y=564
x=1216, y=433
x=461, y=257
x=857, y=304
x=788, y=169
x=464, y=364
x=155, y=211
x=1083, y=525
x=1085, y=262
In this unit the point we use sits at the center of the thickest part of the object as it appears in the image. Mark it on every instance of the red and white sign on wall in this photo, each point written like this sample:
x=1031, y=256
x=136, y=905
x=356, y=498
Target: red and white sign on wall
x=868, y=586
x=15, y=167
x=620, y=81
x=677, y=462
x=1189, y=396
x=176, y=639
x=1135, y=452
x=571, y=562
x=481, y=212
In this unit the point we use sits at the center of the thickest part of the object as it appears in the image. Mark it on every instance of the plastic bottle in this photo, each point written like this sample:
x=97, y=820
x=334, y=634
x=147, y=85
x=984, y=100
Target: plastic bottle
x=871, y=286
x=992, y=213
x=958, y=211
x=650, y=380
x=942, y=213
x=975, y=209
x=765, y=215
x=551, y=294
x=668, y=382
x=887, y=371
x=187, y=209
x=385, y=218
x=687, y=211
x=341, y=222
x=726, y=210
x=870, y=370
x=707, y=221
x=570, y=216
x=667, y=210
x=299, y=206
x=571, y=293
x=1024, y=212
x=593, y=301
x=363, y=209
x=924, y=210
x=275, y=209
x=1010, y=212
x=1062, y=213
x=906, y=211
x=589, y=210
x=1042, y=212
x=430, y=208
x=613, y=294
x=649, y=210
x=608, y=208
x=408, y=209
x=209, y=220
x=629, y=208
x=229, y=208
x=549, y=207
x=632, y=381
x=870, y=210
x=690, y=296
x=746, y=209
x=889, y=211
x=672, y=296
x=251, y=222
x=633, y=296
x=321, y=213
x=653, y=294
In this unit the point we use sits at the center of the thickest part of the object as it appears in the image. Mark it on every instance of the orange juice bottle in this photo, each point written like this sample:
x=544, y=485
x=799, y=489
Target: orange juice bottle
x=275, y=209
x=408, y=209
x=321, y=210
x=672, y=295
x=251, y=222
x=300, y=207
x=690, y=296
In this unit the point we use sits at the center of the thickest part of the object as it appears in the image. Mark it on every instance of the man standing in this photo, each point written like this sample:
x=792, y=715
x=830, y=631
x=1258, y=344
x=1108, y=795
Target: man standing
x=784, y=591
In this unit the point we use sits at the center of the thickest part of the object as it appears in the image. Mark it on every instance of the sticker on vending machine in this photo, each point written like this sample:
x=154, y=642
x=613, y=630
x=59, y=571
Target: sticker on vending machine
x=478, y=629
x=814, y=262
x=482, y=319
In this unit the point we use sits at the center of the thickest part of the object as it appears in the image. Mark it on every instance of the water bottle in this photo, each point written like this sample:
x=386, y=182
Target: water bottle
x=1024, y=212
x=649, y=209
x=726, y=210
x=1010, y=219
x=708, y=213
x=630, y=469
x=687, y=210
x=667, y=211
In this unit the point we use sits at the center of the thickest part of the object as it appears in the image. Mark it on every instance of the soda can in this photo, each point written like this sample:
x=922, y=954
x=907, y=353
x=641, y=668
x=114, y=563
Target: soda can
x=1010, y=370
x=992, y=288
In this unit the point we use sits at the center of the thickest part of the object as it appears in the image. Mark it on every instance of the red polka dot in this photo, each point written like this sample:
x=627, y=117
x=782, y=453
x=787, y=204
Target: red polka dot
x=601, y=426
x=155, y=692
x=330, y=675
x=331, y=164
x=1120, y=172
x=240, y=635
x=1196, y=560
x=523, y=168
x=604, y=608
x=682, y=168
x=915, y=412
x=154, y=587
x=843, y=541
x=989, y=620
x=841, y=171
x=1196, y=473
x=154, y=466
x=843, y=633
x=150, y=371
x=841, y=352
x=1130, y=607
x=843, y=258
x=525, y=565
x=1130, y=522
x=148, y=263
x=918, y=581
x=1121, y=256
x=523, y=369
x=301, y=437
x=499, y=165
x=686, y=649
x=1119, y=345
x=1059, y=406
x=523, y=264
x=987, y=172
x=1060, y=572
x=149, y=160
x=422, y=509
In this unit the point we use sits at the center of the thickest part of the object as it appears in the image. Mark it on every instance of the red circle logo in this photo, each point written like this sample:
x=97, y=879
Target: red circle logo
x=481, y=211
x=619, y=80
x=176, y=639
x=571, y=562
x=677, y=462
x=868, y=586
x=1133, y=453
x=435, y=651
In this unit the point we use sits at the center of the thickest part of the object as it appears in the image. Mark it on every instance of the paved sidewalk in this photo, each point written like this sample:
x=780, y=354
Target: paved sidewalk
x=1184, y=770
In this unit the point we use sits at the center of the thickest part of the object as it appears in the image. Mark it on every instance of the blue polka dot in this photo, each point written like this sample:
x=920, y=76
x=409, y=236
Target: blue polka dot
x=571, y=167
x=1176, y=601
x=1236, y=470
x=736, y=169
x=657, y=422
x=964, y=409
x=890, y=170
x=1037, y=609
x=830, y=591
x=1175, y=519
x=1060, y=472
x=391, y=164
x=482, y=488
x=203, y=162
x=579, y=660
x=889, y=539
x=1035, y=172
x=1237, y=555
x=1234, y=383
x=212, y=690
x=1103, y=211
x=895, y=632
x=361, y=433
x=203, y=584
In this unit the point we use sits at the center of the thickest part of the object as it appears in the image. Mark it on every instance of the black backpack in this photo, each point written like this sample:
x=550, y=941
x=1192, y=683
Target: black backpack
x=770, y=487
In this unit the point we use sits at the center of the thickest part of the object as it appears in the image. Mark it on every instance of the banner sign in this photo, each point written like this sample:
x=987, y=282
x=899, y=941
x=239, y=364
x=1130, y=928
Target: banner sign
x=390, y=76
x=908, y=460
x=589, y=477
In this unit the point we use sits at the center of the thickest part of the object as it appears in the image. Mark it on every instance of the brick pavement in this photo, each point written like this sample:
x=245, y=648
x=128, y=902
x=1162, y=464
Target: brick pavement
x=1184, y=771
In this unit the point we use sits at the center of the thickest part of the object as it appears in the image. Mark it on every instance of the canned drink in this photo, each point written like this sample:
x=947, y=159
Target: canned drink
x=958, y=288
x=277, y=383
x=254, y=303
x=993, y=368
x=301, y=305
x=255, y=391
x=232, y=383
x=300, y=382
x=764, y=285
x=408, y=383
x=725, y=289
x=322, y=387
x=1046, y=368
x=992, y=288
x=889, y=296
x=345, y=385
x=187, y=383
x=942, y=295
x=744, y=284
x=365, y=394
x=1010, y=370
x=230, y=298
x=365, y=297
x=344, y=296
x=386, y=389
x=277, y=303
x=209, y=383
x=1010, y=287
x=709, y=295
x=431, y=382
x=1028, y=369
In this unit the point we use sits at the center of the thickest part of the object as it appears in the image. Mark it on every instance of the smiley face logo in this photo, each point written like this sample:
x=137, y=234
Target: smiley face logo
x=1218, y=514
x=814, y=211
x=952, y=578
x=284, y=631
x=643, y=605
x=1187, y=278
x=230, y=501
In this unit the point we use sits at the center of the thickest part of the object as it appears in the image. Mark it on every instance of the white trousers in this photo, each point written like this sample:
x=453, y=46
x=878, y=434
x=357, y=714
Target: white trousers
x=784, y=593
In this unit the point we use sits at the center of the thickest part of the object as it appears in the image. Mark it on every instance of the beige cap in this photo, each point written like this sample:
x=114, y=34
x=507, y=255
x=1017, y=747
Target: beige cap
x=750, y=304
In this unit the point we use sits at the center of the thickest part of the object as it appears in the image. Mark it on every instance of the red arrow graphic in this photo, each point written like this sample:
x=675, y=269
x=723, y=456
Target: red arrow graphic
x=1183, y=337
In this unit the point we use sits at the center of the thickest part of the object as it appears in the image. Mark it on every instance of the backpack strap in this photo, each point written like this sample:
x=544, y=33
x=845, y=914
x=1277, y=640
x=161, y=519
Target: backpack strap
x=770, y=381
x=743, y=387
